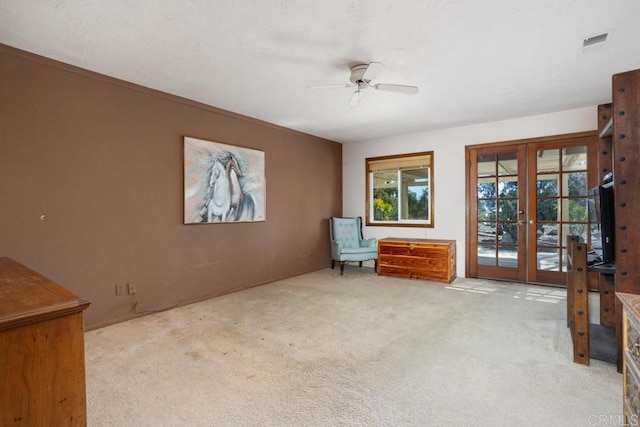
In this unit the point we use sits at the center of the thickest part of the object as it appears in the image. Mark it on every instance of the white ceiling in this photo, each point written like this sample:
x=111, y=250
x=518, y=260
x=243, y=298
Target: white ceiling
x=474, y=61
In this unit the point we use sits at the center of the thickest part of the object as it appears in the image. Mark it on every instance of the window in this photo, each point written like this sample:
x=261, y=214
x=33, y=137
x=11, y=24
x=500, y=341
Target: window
x=400, y=190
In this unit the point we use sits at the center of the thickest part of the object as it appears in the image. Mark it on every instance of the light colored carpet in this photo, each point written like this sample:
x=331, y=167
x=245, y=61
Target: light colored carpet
x=321, y=349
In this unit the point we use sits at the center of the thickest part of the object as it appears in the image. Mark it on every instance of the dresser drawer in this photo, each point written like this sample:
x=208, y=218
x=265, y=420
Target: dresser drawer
x=438, y=263
x=415, y=249
x=632, y=386
x=630, y=356
x=633, y=339
x=414, y=273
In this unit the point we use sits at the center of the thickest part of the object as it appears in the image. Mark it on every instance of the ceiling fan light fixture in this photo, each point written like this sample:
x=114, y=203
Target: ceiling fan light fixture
x=361, y=77
x=358, y=73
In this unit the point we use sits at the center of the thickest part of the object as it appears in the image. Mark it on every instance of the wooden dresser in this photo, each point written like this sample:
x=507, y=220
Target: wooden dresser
x=417, y=258
x=630, y=356
x=42, y=374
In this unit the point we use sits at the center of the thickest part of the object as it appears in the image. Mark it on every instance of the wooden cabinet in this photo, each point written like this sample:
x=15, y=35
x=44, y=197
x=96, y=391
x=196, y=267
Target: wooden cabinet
x=42, y=374
x=619, y=131
x=417, y=259
x=631, y=356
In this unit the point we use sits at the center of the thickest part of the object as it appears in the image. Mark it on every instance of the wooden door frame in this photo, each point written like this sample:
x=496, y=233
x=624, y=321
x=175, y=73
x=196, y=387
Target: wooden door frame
x=591, y=177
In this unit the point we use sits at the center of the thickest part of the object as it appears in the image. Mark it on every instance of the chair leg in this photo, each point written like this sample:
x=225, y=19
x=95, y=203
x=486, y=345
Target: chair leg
x=333, y=263
x=375, y=265
x=360, y=264
x=341, y=268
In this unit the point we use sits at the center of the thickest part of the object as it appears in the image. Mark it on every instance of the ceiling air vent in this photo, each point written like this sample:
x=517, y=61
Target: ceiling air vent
x=594, y=40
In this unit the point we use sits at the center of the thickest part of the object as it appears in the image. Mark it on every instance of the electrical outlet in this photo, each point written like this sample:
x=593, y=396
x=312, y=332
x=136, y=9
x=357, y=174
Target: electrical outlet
x=131, y=289
x=119, y=289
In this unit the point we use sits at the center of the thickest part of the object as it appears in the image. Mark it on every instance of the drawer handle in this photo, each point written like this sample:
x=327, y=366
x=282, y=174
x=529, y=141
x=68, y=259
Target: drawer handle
x=411, y=247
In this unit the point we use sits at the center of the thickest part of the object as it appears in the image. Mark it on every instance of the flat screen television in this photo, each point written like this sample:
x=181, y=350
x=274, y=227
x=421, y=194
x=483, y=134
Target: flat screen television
x=601, y=212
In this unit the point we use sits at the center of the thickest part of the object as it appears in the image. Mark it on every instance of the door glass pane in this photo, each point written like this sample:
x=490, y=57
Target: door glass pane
x=487, y=232
x=548, y=259
x=548, y=160
x=486, y=188
x=596, y=238
x=564, y=260
x=486, y=210
x=508, y=232
x=574, y=158
x=508, y=164
x=508, y=186
x=575, y=184
x=486, y=165
x=574, y=210
x=547, y=185
x=486, y=255
x=579, y=230
x=507, y=210
x=547, y=235
x=508, y=256
x=547, y=210
x=574, y=203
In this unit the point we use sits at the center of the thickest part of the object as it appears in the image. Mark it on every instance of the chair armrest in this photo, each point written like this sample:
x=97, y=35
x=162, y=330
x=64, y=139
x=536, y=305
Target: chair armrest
x=368, y=243
x=336, y=248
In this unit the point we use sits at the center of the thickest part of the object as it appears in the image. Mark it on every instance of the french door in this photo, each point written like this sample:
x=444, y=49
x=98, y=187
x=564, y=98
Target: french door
x=523, y=199
x=497, y=192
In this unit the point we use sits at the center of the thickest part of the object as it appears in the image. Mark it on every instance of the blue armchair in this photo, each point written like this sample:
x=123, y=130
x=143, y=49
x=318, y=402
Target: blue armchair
x=347, y=243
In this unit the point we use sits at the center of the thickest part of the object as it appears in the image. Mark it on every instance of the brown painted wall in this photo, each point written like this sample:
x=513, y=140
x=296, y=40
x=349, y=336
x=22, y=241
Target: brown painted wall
x=101, y=159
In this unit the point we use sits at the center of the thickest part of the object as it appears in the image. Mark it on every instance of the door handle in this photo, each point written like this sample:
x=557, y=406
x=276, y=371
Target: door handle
x=521, y=222
x=532, y=221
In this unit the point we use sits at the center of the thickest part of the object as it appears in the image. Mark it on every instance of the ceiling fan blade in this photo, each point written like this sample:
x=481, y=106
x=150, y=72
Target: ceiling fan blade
x=355, y=99
x=372, y=71
x=330, y=86
x=397, y=88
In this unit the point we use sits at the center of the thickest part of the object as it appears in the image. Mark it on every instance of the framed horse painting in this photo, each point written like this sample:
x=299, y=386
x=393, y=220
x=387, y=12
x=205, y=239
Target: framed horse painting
x=222, y=183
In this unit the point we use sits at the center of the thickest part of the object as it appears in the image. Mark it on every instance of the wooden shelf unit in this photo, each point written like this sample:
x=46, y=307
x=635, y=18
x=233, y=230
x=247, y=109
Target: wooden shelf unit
x=626, y=172
x=618, y=152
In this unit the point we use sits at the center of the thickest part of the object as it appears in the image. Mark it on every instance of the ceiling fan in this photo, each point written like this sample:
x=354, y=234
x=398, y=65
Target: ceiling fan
x=361, y=77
